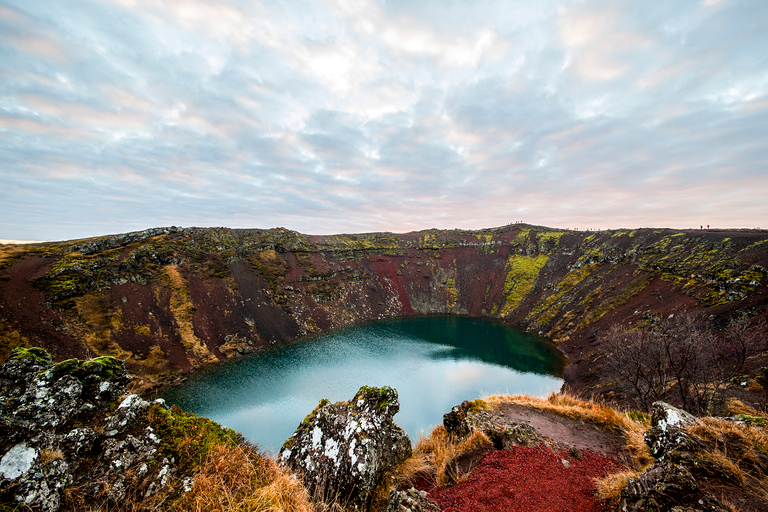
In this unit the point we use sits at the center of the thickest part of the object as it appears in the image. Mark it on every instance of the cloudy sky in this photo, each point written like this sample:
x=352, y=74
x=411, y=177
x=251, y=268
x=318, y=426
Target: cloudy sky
x=331, y=116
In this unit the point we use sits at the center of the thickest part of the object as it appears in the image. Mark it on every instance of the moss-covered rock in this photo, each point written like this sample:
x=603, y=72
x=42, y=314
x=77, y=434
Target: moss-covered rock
x=342, y=451
x=70, y=438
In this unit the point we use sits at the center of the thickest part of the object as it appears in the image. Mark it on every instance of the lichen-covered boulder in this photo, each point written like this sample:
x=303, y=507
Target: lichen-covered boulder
x=343, y=450
x=672, y=483
x=667, y=431
x=59, y=430
x=668, y=485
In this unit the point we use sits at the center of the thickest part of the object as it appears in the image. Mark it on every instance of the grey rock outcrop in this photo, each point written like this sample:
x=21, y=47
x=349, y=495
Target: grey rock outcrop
x=668, y=427
x=58, y=431
x=112, y=242
x=465, y=418
x=672, y=483
x=411, y=500
x=342, y=451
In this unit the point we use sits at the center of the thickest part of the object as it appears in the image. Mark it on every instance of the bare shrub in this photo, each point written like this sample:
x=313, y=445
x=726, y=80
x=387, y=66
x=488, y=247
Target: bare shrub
x=682, y=360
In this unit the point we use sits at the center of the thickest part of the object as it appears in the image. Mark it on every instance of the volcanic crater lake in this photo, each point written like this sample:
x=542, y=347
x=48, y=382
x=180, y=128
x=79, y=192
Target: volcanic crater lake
x=434, y=362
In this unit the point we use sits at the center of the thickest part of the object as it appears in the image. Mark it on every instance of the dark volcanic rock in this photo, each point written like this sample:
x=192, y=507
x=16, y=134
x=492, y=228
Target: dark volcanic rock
x=673, y=482
x=665, y=486
x=466, y=418
x=456, y=422
x=343, y=450
x=58, y=431
x=668, y=424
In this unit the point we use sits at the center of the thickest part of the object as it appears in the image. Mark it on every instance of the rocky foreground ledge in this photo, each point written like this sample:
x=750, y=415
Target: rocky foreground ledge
x=72, y=438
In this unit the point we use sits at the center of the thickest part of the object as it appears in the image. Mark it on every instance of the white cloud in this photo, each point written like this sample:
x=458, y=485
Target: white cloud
x=339, y=115
x=596, y=41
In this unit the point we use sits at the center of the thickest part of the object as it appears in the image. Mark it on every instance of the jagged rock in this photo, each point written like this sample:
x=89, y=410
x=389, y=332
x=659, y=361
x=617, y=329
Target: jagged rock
x=456, y=422
x=672, y=483
x=518, y=434
x=343, y=450
x=467, y=417
x=411, y=500
x=667, y=486
x=667, y=430
x=111, y=242
x=56, y=432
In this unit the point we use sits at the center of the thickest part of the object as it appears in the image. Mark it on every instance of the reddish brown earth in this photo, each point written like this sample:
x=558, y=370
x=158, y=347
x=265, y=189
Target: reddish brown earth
x=310, y=284
x=557, y=475
x=529, y=480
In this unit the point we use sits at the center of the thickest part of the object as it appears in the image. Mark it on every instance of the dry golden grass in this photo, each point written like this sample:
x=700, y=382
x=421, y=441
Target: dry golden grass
x=433, y=455
x=408, y=471
x=50, y=454
x=238, y=479
x=7, y=251
x=568, y=405
x=738, y=407
x=183, y=311
x=608, y=489
x=739, y=450
x=590, y=411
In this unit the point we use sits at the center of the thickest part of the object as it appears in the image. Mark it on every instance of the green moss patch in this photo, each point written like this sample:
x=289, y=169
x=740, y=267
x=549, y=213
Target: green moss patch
x=33, y=354
x=521, y=276
x=187, y=437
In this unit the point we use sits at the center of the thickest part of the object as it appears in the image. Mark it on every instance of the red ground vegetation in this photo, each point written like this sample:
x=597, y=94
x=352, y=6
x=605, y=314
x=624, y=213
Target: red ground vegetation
x=529, y=480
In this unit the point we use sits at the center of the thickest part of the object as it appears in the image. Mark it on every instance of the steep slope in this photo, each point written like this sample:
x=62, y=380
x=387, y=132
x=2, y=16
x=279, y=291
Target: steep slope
x=170, y=300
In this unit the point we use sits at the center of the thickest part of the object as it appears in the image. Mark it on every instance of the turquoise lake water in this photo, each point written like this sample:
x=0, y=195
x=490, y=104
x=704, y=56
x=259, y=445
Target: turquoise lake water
x=434, y=362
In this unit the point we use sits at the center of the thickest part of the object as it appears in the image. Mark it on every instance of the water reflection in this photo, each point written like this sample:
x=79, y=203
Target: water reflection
x=434, y=363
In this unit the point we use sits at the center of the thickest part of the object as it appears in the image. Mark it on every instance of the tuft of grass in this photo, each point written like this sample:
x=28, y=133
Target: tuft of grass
x=433, y=456
x=736, y=407
x=49, y=455
x=237, y=478
x=411, y=469
x=608, y=488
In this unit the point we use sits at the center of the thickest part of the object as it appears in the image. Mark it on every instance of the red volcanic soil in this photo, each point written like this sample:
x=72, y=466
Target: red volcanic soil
x=23, y=305
x=529, y=480
x=558, y=475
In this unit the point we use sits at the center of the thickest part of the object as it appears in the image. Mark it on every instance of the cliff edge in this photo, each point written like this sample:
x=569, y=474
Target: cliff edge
x=170, y=300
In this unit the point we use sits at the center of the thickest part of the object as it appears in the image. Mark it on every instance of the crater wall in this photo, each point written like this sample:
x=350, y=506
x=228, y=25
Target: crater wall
x=169, y=300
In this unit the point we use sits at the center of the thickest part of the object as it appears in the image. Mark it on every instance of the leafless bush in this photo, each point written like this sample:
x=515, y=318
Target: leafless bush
x=681, y=360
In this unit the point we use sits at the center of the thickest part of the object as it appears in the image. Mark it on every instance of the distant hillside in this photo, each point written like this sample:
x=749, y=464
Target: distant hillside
x=170, y=300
